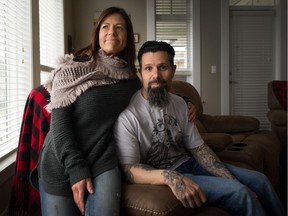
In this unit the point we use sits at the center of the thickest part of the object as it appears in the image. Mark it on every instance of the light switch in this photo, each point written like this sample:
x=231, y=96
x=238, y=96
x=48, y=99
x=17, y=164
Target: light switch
x=213, y=69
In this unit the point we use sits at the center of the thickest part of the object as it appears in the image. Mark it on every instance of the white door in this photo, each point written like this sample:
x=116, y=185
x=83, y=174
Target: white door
x=251, y=63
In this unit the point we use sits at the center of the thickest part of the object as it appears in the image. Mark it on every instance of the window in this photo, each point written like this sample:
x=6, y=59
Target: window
x=51, y=27
x=252, y=2
x=174, y=25
x=16, y=59
x=15, y=69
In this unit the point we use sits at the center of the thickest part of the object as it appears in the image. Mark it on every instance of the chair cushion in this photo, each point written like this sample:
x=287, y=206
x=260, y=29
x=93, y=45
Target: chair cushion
x=217, y=141
x=229, y=123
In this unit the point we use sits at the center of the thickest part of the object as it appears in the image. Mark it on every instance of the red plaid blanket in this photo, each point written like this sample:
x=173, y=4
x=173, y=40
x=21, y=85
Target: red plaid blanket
x=25, y=200
x=280, y=91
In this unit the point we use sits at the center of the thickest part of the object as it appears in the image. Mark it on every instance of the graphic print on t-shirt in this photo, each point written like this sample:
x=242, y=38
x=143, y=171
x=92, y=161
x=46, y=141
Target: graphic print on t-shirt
x=166, y=143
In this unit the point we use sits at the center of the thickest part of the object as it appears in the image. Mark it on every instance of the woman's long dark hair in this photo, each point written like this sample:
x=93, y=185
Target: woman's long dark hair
x=129, y=52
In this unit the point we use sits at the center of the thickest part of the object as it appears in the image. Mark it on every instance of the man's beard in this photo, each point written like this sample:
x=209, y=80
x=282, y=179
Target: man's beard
x=158, y=96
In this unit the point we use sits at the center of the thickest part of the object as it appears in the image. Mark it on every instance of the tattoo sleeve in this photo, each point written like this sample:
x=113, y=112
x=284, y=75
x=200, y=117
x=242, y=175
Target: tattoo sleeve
x=127, y=174
x=210, y=161
x=174, y=179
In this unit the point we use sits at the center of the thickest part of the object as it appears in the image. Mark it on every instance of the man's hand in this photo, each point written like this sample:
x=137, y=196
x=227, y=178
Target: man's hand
x=191, y=111
x=79, y=190
x=186, y=190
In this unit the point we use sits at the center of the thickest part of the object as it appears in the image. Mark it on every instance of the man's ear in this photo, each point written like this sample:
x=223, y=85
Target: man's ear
x=174, y=69
x=139, y=72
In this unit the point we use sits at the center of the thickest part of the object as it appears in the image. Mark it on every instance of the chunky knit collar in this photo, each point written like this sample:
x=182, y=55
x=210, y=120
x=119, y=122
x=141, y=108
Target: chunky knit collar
x=70, y=79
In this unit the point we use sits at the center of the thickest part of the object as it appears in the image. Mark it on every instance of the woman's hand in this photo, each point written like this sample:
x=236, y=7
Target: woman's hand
x=191, y=111
x=79, y=190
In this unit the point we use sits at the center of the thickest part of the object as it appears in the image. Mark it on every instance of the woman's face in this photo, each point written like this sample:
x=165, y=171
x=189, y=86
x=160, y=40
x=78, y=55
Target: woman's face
x=113, y=34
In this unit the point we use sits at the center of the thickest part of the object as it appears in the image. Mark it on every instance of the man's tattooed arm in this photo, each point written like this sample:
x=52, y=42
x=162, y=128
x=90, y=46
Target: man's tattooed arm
x=210, y=161
x=174, y=179
x=126, y=170
x=185, y=190
x=171, y=177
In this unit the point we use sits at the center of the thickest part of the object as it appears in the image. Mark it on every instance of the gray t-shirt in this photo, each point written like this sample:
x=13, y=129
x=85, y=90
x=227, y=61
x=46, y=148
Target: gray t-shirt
x=155, y=136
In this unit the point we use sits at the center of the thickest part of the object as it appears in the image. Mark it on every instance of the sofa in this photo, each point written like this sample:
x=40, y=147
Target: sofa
x=235, y=139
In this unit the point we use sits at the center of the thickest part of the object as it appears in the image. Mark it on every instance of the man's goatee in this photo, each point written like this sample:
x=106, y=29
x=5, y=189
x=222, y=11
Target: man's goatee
x=158, y=97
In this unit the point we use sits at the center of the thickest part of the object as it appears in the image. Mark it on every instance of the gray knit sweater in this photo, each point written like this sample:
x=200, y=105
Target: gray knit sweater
x=80, y=143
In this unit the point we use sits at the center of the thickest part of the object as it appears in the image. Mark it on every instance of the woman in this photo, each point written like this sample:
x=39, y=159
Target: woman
x=77, y=167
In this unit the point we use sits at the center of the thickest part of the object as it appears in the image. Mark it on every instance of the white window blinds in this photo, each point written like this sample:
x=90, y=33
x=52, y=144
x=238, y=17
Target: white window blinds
x=15, y=69
x=51, y=32
x=174, y=25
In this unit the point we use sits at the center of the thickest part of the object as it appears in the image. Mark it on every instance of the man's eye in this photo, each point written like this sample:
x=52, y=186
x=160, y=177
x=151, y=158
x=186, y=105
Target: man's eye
x=163, y=67
x=148, y=68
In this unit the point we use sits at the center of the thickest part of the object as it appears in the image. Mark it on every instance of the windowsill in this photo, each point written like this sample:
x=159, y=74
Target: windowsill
x=6, y=166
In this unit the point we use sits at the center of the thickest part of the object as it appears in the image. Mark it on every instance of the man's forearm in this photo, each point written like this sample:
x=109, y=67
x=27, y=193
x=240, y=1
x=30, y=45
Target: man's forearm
x=185, y=189
x=131, y=171
x=145, y=174
x=210, y=161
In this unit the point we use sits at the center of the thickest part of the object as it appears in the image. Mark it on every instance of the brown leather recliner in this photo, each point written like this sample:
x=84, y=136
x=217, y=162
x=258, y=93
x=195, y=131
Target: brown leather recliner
x=277, y=114
x=236, y=140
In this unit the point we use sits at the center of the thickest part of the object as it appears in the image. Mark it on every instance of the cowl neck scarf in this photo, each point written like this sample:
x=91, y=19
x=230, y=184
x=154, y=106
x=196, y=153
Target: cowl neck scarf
x=71, y=78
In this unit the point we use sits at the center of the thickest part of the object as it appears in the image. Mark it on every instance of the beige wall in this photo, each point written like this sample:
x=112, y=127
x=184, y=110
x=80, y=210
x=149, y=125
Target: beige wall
x=83, y=18
x=210, y=23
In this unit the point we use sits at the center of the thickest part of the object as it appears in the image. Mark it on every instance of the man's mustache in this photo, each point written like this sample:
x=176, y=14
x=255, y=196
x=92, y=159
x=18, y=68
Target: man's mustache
x=161, y=81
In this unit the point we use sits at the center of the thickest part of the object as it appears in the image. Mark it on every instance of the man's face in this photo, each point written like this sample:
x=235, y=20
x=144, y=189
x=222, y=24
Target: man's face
x=157, y=74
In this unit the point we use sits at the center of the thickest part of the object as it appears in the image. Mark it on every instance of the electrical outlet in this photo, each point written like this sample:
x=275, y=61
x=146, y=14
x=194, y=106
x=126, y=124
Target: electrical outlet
x=213, y=69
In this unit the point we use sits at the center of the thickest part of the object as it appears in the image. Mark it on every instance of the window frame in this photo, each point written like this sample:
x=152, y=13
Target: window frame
x=151, y=35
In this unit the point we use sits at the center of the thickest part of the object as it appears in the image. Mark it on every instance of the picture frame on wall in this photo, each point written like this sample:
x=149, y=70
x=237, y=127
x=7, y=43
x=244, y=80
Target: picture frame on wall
x=96, y=17
x=136, y=37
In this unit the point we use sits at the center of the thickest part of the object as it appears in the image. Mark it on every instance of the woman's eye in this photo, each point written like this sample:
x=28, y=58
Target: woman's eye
x=104, y=26
x=119, y=28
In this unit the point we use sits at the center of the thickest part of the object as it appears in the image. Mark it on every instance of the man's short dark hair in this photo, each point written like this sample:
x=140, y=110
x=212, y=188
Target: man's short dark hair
x=155, y=46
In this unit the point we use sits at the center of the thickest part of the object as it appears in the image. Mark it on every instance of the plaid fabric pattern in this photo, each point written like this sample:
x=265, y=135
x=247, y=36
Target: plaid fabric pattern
x=25, y=200
x=280, y=91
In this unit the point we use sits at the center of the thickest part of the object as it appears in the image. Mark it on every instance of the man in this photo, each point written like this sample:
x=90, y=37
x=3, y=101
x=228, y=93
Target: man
x=158, y=145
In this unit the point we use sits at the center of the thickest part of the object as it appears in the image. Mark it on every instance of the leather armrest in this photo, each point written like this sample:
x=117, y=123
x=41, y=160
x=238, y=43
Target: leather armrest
x=148, y=200
x=229, y=123
x=277, y=117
